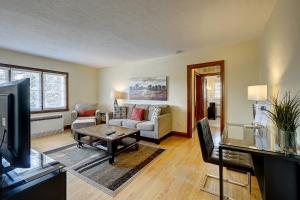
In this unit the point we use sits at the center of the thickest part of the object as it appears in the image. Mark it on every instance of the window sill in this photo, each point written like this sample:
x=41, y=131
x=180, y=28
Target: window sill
x=50, y=111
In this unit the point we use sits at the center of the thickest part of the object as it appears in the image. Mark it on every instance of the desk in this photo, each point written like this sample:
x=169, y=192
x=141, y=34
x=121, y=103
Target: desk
x=45, y=179
x=278, y=173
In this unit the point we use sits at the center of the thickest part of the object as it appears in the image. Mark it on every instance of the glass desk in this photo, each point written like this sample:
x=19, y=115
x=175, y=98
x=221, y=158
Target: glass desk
x=41, y=166
x=268, y=159
x=251, y=138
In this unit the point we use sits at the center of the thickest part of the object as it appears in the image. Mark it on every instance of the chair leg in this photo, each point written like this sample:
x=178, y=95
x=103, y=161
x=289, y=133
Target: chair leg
x=249, y=184
x=246, y=185
x=204, y=184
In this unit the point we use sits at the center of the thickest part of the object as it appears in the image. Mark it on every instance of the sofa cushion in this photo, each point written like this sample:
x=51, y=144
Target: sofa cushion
x=150, y=111
x=154, y=112
x=129, y=109
x=146, y=107
x=82, y=122
x=85, y=118
x=87, y=113
x=138, y=114
x=115, y=122
x=146, y=126
x=129, y=123
x=119, y=112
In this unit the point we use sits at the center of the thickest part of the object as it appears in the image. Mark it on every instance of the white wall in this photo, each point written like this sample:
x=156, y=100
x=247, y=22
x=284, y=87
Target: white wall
x=241, y=70
x=280, y=48
x=83, y=81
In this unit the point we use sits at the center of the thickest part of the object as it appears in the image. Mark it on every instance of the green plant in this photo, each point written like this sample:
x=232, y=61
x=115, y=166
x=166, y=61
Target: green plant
x=286, y=112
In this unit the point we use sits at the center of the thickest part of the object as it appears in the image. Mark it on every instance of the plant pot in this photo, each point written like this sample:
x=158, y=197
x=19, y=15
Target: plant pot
x=287, y=141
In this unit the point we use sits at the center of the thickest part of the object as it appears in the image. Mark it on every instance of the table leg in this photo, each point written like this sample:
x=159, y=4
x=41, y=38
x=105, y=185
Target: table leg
x=221, y=172
x=110, y=149
x=138, y=138
x=78, y=138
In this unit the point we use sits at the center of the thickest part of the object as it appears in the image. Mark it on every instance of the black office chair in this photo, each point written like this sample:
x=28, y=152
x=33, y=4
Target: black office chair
x=212, y=111
x=237, y=161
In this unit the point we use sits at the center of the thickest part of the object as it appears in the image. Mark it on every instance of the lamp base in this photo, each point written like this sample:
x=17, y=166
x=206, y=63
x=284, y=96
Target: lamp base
x=254, y=110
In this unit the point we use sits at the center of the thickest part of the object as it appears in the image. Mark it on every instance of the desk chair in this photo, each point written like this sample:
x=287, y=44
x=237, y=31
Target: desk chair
x=241, y=162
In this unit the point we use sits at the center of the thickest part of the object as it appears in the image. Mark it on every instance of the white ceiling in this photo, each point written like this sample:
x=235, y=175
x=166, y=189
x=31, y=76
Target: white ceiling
x=110, y=32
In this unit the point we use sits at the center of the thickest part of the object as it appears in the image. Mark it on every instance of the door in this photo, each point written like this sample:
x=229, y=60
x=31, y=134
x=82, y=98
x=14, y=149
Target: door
x=199, y=97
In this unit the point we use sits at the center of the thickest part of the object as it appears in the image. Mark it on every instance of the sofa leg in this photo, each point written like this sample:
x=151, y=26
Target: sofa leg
x=157, y=141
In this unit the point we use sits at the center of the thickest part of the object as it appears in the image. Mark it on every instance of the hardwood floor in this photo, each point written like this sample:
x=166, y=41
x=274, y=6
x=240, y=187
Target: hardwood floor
x=177, y=174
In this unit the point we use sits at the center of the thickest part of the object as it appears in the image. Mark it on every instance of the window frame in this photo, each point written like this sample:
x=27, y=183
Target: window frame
x=42, y=71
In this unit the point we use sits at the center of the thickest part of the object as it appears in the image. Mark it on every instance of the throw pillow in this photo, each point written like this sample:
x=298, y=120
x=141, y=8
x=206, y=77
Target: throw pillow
x=119, y=112
x=138, y=114
x=87, y=113
x=155, y=113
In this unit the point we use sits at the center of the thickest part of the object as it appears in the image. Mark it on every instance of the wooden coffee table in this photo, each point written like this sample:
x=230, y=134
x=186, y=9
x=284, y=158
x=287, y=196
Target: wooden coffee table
x=123, y=137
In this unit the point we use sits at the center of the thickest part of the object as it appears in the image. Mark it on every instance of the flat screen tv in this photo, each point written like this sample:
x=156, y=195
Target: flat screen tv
x=15, y=124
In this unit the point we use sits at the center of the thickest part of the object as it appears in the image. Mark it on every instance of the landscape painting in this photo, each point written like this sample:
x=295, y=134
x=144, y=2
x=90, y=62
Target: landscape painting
x=152, y=88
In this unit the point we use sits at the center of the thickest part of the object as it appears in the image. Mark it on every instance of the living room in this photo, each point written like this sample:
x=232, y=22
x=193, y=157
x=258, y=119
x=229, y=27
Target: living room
x=113, y=98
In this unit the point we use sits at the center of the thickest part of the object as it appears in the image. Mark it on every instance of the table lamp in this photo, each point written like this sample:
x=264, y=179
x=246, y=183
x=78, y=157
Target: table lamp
x=117, y=95
x=257, y=93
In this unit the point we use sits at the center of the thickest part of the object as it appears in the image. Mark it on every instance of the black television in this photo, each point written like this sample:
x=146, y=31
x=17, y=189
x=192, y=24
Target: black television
x=15, y=125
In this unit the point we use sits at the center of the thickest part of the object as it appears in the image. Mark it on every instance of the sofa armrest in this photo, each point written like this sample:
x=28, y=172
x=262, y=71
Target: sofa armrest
x=109, y=115
x=98, y=116
x=74, y=115
x=163, y=125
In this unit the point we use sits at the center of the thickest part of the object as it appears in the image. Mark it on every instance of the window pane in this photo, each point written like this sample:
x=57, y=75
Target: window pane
x=4, y=75
x=35, y=86
x=54, y=91
x=218, y=90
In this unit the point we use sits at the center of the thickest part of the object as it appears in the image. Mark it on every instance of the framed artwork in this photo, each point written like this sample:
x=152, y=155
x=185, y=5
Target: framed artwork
x=149, y=88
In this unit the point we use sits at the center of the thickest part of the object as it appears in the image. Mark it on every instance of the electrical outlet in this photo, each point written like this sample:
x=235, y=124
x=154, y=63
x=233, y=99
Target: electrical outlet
x=3, y=121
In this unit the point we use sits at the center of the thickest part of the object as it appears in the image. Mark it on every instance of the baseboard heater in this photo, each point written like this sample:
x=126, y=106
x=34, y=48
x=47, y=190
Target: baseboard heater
x=46, y=125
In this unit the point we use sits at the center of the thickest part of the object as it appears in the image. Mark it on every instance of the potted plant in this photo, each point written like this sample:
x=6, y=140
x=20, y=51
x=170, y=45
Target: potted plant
x=286, y=116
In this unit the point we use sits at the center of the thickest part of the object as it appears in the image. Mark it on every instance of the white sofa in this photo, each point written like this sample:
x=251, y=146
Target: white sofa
x=154, y=130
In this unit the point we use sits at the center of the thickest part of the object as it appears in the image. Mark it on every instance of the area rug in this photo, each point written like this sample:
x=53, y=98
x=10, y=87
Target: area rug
x=92, y=166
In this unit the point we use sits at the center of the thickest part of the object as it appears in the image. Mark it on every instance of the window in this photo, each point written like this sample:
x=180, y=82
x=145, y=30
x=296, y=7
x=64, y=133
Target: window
x=4, y=75
x=35, y=86
x=54, y=91
x=217, y=90
x=48, y=89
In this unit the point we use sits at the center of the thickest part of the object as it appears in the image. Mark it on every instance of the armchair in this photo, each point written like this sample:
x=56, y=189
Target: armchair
x=80, y=122
x=80, y=107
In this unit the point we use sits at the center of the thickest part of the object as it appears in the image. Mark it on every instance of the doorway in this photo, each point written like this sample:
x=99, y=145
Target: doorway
x=206, y=95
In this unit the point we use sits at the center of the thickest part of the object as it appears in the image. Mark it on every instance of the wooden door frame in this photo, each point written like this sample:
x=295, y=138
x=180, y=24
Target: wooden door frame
x=220, y=63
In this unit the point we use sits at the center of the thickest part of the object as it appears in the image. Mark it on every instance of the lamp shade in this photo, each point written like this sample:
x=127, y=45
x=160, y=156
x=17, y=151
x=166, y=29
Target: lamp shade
x=258, y=92
x=117, y=95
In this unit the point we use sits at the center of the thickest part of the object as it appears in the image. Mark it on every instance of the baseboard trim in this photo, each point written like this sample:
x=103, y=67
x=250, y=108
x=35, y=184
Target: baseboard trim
x=180, y=134
x=156, y=141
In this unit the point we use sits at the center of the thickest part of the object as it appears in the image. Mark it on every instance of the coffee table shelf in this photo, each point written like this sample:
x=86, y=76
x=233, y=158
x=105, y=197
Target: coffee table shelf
x=122, y=139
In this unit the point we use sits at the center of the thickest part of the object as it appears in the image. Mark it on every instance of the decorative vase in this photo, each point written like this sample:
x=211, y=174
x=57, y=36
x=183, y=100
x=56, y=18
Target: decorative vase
x=287, y=141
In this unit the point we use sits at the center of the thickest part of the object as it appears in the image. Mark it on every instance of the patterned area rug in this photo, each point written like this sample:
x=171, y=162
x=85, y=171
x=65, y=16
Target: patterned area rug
x=91, y=165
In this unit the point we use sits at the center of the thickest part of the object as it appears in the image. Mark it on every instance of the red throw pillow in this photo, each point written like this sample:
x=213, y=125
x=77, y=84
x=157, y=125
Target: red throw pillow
x=87, y=113
x=138, y=114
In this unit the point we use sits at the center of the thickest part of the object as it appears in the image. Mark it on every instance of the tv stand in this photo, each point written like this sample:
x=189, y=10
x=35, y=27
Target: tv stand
x=45, y=179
